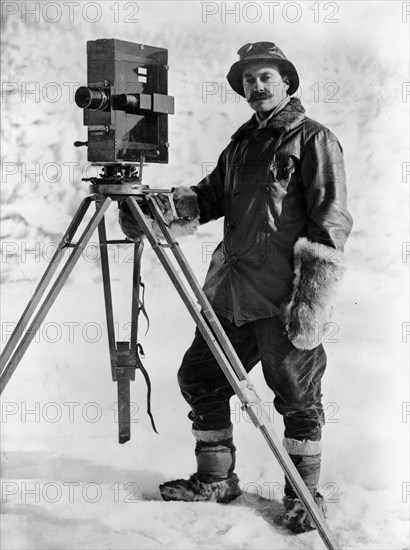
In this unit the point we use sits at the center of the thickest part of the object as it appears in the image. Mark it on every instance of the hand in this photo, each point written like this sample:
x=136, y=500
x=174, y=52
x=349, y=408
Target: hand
x=186, y=206
x=187, y=209
x=186, y=203
x=128, y=223
x=307, y=325
x=318, y=273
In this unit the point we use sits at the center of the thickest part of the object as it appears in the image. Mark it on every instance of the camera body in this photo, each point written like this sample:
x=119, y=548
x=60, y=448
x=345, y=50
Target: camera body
x=126, y=103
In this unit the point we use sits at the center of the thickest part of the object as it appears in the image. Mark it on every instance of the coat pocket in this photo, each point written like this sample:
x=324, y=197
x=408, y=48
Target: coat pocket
x=281, y=169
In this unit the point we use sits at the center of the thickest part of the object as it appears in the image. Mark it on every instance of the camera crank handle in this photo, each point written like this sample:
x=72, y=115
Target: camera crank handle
x=81, y=144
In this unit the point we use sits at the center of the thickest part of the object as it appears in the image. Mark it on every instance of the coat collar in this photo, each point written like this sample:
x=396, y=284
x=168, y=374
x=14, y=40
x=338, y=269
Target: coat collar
x=287, y=119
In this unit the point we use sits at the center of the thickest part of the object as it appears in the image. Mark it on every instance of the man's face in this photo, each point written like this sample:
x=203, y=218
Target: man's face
x=263, y=86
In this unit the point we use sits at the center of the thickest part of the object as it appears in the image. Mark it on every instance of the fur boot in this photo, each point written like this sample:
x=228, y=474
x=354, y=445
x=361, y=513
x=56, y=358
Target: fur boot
x=306, y=456
x=297, y=519
x=318, y=273
x=186, y=206
x=193, y=490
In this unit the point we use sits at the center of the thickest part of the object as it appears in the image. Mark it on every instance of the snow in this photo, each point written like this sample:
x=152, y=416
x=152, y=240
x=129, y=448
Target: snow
x=66, y=482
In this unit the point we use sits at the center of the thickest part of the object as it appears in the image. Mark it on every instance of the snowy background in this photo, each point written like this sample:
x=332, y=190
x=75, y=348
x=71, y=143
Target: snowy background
x=66, y=483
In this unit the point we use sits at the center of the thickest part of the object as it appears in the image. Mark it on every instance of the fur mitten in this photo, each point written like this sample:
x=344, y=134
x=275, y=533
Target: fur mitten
x=128, y=224
x=186, y=206
x=318, y=272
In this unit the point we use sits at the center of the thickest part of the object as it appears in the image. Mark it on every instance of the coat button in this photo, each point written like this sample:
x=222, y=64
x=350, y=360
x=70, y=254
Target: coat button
x=263, y=223
x=231, y=226
x=234, y=259
x=263, y=257
x=267, y=189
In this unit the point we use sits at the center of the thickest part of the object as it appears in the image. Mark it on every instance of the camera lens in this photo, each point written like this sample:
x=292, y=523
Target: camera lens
x=126, y=102
x=94, y=99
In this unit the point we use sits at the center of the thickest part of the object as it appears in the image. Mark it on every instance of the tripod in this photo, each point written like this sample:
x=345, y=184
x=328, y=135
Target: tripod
x=124, y=356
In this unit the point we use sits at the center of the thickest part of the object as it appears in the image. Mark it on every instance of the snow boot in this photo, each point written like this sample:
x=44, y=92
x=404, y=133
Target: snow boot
x=306, y=456
x=297, y=519
x=194, y=490
x=214, y=480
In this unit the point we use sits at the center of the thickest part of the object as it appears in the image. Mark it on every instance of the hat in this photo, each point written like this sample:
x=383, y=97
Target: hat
x=261, y=51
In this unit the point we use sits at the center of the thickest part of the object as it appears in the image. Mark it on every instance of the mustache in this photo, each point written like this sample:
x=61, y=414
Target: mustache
x=255, y=96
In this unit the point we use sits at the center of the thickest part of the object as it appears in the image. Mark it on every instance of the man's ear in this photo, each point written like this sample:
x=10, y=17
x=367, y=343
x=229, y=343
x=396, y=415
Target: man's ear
x=285, y=79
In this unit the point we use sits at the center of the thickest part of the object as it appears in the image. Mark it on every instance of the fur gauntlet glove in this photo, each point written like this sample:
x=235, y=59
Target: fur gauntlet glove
x=186, y=206
x=318, y=272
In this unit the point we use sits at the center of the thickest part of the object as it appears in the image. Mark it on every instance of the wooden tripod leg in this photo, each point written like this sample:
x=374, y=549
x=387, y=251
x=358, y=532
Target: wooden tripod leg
x=123, y=371
x=124, y=409
x=105, y=268
x=9, y=367
x=122, y=355
x=43, y=284
x=228, y=360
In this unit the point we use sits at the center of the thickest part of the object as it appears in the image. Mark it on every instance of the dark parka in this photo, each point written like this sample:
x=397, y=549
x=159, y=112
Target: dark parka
x=273, y=185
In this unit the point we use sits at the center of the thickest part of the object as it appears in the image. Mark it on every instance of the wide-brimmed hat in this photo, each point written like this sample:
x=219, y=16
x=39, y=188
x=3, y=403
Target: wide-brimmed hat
x=261, y=51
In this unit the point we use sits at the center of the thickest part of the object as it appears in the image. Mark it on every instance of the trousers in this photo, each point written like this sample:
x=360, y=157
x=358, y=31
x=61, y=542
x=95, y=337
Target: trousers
x=292, y=374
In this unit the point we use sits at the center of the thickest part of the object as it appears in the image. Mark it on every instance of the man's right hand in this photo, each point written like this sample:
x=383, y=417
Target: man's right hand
x=186, y=206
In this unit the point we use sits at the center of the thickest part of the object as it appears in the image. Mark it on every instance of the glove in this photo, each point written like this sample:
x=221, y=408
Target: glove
x=128, y=224
x=186, y=206
x=318, y=273
x=187, y=209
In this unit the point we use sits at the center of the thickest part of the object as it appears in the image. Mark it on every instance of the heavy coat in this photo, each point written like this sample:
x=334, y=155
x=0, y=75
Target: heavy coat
x=282, y=191
x=277, y=186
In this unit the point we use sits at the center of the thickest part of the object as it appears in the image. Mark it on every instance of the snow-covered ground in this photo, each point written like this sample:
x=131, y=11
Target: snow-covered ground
x=66, y=483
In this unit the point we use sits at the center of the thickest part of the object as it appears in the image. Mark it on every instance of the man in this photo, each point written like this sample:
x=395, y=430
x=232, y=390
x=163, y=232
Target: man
x=280, y=184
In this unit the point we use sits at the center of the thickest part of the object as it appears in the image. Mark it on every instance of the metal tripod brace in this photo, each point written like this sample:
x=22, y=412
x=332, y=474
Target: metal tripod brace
x=124, y=356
